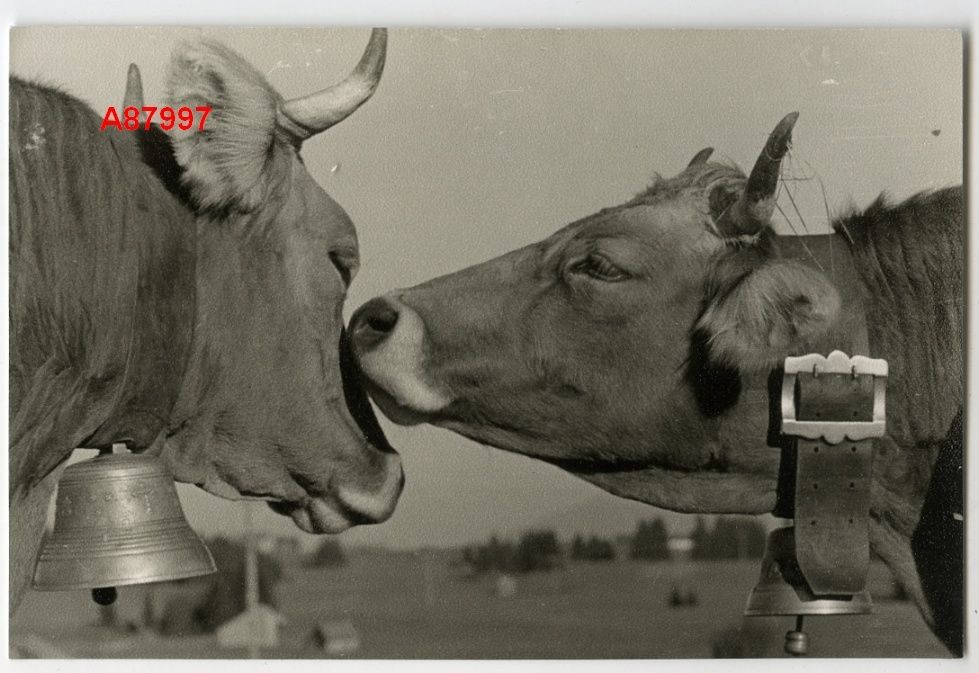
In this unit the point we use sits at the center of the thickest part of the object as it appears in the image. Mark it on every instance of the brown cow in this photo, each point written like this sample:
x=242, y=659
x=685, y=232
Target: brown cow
x=183, y=294
x=634, y=349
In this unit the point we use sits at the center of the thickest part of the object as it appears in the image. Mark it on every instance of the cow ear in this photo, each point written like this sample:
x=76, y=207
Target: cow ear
x=227, y=163
x=778, y=309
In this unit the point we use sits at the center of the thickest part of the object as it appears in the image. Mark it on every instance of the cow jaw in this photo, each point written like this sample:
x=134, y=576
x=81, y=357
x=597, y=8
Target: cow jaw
x=345, y=507
x=727, y=467
x=338, y=469
x=692, y=492
x=331, y=507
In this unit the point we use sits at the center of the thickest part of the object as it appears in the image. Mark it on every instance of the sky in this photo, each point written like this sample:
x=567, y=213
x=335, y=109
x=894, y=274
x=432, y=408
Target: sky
x=481, y=141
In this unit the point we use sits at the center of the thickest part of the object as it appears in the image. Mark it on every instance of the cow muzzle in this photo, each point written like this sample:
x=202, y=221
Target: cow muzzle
x=347, y=506
x=388, y=339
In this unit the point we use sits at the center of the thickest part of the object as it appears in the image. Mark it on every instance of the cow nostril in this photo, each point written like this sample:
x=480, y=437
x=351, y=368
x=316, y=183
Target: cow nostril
x=373, y=322
x=383, y=320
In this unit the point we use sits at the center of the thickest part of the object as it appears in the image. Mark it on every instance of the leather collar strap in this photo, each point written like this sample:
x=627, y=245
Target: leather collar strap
x=827, y=408
x=832, y=476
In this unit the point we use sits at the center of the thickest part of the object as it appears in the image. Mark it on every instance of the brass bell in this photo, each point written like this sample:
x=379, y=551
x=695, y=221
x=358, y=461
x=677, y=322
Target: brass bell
x=782, y=590
x=118, y=522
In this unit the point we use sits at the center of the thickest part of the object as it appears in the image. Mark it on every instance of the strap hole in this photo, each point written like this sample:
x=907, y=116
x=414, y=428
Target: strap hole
x=851, y=521
x=851, y=484
x=853, y=449
x=815, y=487
x=812, y=523
x=815, y=449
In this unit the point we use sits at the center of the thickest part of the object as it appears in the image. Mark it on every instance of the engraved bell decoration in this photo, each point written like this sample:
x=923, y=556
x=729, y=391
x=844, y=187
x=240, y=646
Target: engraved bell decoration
x=118, y=522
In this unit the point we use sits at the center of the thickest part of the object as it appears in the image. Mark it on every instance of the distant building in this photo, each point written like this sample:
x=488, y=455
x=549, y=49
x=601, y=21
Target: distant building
x=286, y=549
x=336, y=637
x=680, y=547
x=505, y=586
x=256, y=627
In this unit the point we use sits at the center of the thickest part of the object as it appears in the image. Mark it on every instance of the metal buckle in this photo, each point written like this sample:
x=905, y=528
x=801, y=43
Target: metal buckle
x=837, y=362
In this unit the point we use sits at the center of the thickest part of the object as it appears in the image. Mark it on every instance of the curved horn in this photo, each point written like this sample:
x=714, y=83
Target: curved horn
x=134, y=88
x=309, y=115
x=701, y=157
x=752, y=212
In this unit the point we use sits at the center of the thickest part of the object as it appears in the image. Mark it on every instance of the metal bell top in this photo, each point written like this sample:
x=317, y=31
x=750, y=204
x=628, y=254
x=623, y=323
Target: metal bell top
x=118, y=521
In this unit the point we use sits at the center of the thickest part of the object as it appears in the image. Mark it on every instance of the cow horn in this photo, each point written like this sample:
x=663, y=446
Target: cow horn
x=134, y=88
x=701, y=157
x=752, y=212
x=309, y=115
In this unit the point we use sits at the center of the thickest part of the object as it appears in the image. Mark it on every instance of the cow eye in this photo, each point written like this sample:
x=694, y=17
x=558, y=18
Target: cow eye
x=345, y=263
x=599, y=267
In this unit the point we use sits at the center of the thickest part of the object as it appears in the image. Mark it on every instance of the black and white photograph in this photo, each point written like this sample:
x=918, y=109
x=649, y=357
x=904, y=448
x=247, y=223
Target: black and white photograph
x=483, y=343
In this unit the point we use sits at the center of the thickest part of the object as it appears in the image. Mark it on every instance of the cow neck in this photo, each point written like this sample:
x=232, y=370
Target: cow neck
x=829, y=254
x=161, y=326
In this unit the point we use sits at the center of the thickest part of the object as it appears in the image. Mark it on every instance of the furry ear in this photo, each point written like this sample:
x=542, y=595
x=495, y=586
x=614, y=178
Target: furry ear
x=228, y=164
x=778, y=309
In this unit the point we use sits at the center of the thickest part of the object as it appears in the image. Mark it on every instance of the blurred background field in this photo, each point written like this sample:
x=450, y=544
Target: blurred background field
x=431, y=604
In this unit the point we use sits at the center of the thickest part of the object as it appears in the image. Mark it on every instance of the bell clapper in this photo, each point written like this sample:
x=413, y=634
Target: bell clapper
x=105, y=595
x=796, y=641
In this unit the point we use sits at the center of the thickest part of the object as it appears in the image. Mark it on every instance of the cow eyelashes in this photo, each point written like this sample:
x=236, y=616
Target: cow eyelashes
x=345, y=264
x=598, y=267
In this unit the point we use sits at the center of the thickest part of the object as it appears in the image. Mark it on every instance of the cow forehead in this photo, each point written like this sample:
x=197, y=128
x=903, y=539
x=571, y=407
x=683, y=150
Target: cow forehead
x=662, y=225
x=315, y=212
x=670, y=212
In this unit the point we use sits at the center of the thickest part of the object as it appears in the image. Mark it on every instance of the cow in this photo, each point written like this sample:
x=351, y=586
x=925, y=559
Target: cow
x=634, y=348
x=181, y=293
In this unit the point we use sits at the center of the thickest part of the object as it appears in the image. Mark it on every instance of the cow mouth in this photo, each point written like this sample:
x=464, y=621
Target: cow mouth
x=355, y=396
x=337, y=512
x=346, y=507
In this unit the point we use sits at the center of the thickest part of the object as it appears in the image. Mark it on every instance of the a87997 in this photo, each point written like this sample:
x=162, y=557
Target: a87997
x=182, y=117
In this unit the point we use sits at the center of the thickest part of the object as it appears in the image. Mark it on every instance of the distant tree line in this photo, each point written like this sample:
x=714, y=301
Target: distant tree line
x=536, y=550
x=728, y=538
x=592, y=549
x=649, y=542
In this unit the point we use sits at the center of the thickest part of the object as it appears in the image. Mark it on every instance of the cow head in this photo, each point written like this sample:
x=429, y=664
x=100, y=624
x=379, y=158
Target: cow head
x=619, y=348
x=269, y=406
